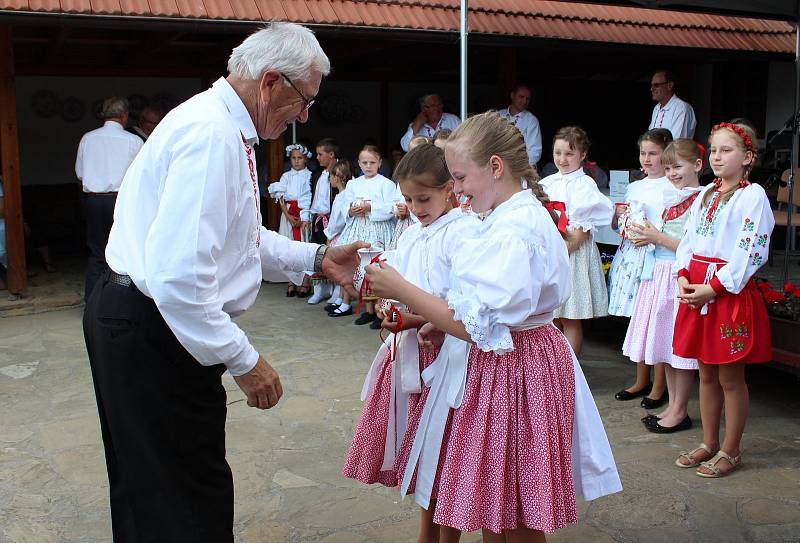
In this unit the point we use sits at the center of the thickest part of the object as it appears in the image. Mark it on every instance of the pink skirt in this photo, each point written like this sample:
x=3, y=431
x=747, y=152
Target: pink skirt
x=509, y=457
x=416, y=403
x=365, y=455
x=649, y=335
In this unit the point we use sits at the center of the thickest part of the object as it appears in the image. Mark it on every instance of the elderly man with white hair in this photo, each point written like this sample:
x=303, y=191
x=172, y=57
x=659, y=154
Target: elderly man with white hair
x=187, y=252
x=104, y=155
x=429, y=120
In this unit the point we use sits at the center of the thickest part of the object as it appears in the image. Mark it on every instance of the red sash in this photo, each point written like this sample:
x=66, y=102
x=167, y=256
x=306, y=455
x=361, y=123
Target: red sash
x=294, y=210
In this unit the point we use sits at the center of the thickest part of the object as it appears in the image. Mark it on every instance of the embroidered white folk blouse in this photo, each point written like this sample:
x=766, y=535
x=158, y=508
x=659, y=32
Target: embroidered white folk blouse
x=379, y=190
x=676, y=116
x=738, y=232
x=294, y=185
x=587, y=207
x=511, y=274
x=338, y=216
x=448, y=121
x=528, y=124
x=188, y=232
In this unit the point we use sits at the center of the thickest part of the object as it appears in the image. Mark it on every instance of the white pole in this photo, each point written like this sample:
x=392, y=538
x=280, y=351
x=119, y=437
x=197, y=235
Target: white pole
x=795, y=141
x=464, y=32
x=294, y=132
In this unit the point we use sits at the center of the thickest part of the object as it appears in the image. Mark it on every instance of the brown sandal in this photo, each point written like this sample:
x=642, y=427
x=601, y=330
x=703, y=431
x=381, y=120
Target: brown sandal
x=712, y=466
x=690, y=456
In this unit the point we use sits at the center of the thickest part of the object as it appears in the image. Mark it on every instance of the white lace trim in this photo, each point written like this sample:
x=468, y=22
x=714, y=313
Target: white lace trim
x=477, y=319
x=585, y=226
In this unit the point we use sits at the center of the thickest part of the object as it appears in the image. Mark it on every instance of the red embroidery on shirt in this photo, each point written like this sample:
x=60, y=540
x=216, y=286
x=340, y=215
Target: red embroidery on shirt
x=248, y=149
x=677, y=210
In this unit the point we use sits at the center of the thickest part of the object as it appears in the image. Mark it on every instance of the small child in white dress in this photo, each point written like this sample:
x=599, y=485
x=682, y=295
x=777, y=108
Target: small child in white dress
x=586, y=210
x=339, y=177
x=293, y=193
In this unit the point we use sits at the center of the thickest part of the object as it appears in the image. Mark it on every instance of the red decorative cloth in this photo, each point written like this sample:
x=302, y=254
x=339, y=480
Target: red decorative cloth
x=679, y=209
x=561, y=208
x=294, y=210
x=734, y=329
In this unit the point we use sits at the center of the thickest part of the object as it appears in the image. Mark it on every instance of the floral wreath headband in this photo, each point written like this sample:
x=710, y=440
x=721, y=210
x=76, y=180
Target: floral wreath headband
x=298, y=147
x=739, y=131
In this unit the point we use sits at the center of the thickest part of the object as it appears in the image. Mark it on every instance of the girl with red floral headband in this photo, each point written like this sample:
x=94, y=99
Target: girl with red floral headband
x=722, y=320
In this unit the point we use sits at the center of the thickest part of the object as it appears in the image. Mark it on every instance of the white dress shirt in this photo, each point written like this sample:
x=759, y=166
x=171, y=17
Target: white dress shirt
x=448, y=121
x=187, y=227
x=587, y=208
x=321, y=202
x=676, y=116
x=512, y=274
x=528, y=124
x=104, y=155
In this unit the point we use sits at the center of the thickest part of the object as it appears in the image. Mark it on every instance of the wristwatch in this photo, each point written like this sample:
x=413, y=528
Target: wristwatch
x=318, y=258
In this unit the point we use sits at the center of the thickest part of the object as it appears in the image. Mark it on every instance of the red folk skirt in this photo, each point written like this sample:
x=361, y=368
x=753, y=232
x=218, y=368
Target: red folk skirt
x=734, y=329
x=293, y=207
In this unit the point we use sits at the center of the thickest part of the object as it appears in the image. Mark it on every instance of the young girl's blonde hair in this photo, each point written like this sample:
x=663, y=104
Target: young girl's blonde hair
x=487, y=134
x=745, y=138
x=683, y=148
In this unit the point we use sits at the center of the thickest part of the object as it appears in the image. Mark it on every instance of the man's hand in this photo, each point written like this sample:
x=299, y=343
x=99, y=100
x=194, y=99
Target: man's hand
x=340, y=264
x=261, y=385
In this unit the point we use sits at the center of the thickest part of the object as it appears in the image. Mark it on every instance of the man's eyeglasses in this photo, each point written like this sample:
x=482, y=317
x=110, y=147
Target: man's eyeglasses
x=308, y=103
x=659, y=84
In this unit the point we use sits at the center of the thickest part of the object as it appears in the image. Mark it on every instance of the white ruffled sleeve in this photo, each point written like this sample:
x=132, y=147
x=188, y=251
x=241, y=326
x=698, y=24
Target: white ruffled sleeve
x=494, y=288
x=337, y=219
x=683, y=254
x=381, y=209
x=751, y=245
x=278, y=188
x=589, y=208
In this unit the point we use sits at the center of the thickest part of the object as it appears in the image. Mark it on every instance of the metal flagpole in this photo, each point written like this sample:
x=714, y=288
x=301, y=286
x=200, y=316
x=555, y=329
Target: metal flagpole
x=795, y=141
x=464, y=31
x=294, y=132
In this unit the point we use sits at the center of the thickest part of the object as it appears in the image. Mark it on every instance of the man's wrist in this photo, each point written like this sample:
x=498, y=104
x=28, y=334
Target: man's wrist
x=319, y=256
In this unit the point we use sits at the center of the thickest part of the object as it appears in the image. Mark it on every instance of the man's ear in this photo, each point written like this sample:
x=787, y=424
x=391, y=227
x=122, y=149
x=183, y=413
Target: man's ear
x=268, y=83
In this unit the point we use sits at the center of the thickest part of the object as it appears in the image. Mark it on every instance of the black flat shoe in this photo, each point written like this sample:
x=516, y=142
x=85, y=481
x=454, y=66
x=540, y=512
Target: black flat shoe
x=303, y=292
x=337, y=313
x=650, y=419
x=331, y=307
x=685, y=424
x=623, y=395
x=364, y=318
x=376, y=323
x=649, y=403
x=291, y=293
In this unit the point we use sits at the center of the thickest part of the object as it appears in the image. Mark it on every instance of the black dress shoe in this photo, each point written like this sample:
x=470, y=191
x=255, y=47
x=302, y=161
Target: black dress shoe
x=337, y=313
x=331, y=307
x=650, y=419
x=623, y=395
x=303, y=292
x=364, y=318
x=685, y=424
x=291, y=293
x=649, y=403
x=376, y=323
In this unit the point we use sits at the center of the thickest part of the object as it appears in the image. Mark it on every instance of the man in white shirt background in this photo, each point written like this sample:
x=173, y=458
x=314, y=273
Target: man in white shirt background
x=670, y=112
x=104, y=155
x=517, y=114
x=187, y=252
x=431, y=117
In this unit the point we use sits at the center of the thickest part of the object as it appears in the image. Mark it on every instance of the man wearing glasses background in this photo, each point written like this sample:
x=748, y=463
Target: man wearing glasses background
x=670, y=112
x=148, y=120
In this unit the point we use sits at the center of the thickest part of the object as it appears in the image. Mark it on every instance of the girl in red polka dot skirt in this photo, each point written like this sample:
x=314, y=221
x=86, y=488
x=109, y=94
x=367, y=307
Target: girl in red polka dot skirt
x=393, y=393
x=722, y=320
x=517, y=449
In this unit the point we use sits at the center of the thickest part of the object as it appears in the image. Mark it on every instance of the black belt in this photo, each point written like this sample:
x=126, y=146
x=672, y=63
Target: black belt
x=122, y=280
x=100, y=193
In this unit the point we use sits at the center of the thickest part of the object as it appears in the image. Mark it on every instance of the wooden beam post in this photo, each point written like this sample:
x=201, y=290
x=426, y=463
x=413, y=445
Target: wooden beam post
x=506, y=74
x=9, y=158
x=275, y=162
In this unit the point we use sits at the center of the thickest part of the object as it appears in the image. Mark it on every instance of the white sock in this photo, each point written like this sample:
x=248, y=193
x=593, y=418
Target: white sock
x=342, y=308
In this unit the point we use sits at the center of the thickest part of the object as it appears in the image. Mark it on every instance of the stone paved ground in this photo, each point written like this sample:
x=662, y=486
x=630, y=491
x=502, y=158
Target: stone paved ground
x=286, y=461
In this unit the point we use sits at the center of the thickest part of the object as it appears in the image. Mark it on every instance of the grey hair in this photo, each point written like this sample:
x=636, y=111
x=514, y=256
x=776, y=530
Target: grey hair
x=114, y=107
x=285, y=47
x=424, y=98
